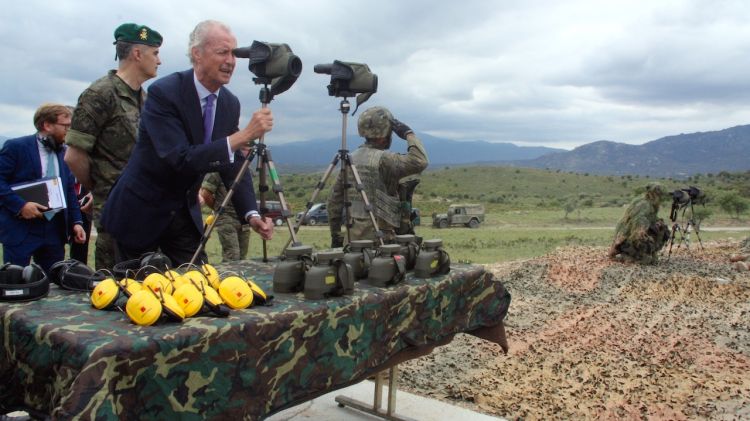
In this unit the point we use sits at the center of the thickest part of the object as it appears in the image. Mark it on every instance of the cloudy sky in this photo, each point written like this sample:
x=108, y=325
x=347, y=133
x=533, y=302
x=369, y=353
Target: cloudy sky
x=544, y=72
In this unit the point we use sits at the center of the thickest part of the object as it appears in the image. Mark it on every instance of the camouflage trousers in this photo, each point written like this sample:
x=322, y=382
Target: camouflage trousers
x=104, y=250
x=234, y=238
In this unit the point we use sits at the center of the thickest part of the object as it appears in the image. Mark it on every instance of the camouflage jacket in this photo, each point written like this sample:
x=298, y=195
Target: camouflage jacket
x=213, y=183
x=640, y=234
x=380, y=172
x=105, y=124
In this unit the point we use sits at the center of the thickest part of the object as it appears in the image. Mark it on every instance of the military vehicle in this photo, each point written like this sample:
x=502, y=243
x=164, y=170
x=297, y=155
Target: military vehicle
x=470, y=215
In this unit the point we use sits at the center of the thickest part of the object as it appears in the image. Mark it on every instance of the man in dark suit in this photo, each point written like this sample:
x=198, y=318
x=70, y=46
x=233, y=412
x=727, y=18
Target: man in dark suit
x=189, y=127
x=28, y=228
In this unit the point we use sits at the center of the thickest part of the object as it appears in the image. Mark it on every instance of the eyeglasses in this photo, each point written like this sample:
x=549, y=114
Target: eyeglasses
x=67, y=126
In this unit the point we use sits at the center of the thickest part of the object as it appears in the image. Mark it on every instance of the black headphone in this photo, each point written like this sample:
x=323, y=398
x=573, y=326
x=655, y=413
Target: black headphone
x=18, y=283
x=147, y=264
x=73, y=275
x=50, y=144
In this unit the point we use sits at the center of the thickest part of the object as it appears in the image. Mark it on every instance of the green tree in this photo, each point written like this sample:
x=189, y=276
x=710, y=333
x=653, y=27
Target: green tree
x=570, y=206
x=700, y=214
x=733, y=204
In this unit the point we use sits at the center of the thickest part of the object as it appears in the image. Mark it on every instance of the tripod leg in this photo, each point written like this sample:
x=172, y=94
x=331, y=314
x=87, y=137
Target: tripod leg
x=279, y=190
x=207, y=230
x=671, y=240
x=262, y=185
x=697, y=234
x=314, y=196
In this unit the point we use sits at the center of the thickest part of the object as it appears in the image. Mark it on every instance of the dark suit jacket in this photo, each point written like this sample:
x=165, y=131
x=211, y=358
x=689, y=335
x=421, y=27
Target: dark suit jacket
x=19, y=163
x=169, y=161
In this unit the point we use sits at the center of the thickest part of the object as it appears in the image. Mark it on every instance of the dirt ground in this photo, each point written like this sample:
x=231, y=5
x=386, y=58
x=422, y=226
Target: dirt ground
x=595, y=339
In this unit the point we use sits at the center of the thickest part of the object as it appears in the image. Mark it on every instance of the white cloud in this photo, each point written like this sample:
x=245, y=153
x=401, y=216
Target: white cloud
x=533, y=72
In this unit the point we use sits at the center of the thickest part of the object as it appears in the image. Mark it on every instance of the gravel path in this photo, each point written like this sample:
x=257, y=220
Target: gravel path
x=594, y=339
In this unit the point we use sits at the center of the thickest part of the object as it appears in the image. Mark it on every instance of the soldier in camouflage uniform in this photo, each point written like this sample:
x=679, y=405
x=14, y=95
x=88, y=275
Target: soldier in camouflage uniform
x=640, y=234
x=233, y=235
x=380, y=171
x=105, y=123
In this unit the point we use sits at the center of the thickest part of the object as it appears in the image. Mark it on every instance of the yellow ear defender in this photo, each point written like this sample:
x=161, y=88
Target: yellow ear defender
x=175, y=278
x=105, y=294
x=172, y=309
x=130, y=286
x=261, y=297
x=189, y=298
x=143, y=308
x=211, y=274
x=157, y=282
x=197, y=278
x=236, y=292
x=214, y=302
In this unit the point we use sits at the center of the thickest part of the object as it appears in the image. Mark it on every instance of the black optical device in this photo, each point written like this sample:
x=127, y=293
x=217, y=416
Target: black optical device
x=683, y=197
x=349, y=79
x=272, y=63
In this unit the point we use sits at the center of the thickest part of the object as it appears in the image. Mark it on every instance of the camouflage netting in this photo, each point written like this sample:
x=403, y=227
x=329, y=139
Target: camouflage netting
x=62, y=357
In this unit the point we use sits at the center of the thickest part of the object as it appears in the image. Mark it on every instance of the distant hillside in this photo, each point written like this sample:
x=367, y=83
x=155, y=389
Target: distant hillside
x=503, y=188
x=314, y=155
x=672, y=156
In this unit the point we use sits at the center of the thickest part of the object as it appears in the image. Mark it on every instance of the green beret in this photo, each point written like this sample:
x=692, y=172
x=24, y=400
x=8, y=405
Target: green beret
x=138, y=34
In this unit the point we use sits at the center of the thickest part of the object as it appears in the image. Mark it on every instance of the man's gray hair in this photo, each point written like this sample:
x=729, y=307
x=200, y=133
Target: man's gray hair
x=123, y=49
x=198, y=36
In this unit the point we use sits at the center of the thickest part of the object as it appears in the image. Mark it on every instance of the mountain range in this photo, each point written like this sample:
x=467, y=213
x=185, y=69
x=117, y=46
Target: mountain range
x=675, y=156
x=320, y=152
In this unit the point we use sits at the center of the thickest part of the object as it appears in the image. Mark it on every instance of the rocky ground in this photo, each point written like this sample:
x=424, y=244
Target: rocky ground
x=595, y=339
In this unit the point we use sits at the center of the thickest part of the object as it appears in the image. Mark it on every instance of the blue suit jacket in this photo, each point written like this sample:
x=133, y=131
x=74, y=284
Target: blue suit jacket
x=169, y=161
x=20, y=162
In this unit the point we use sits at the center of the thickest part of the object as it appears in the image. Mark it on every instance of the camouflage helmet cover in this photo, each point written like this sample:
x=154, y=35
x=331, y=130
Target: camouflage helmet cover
x=375, y=122
x=655, y=191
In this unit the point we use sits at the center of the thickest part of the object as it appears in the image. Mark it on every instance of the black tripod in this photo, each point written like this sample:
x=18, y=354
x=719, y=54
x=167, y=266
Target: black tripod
x=260, y=150
x=677, y=227
x=346, y=163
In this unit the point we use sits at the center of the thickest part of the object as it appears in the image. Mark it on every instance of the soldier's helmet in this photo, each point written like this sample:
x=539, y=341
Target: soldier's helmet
x=375, y=122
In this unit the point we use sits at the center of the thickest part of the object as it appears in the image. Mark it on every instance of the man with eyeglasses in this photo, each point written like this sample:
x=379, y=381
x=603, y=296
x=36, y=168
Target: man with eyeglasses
x=28, y=228
x=189, y=127
x=105, y=123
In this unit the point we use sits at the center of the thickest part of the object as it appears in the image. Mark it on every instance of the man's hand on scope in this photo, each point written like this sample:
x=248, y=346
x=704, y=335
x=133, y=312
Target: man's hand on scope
x=260, y=123
x=401, y=129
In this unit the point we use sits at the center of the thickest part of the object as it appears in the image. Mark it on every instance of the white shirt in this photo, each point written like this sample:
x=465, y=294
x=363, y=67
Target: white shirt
x=203, y=94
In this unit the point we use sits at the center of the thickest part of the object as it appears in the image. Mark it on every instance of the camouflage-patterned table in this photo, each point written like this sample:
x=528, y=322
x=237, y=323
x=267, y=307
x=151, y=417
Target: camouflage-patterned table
x=64, y=358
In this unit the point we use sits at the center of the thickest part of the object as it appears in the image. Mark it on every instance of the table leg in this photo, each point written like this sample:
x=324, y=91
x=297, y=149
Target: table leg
x=375, y=409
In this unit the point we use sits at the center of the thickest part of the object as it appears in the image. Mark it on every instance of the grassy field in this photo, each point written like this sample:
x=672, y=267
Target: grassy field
x=492, y=242
x=525, y=209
